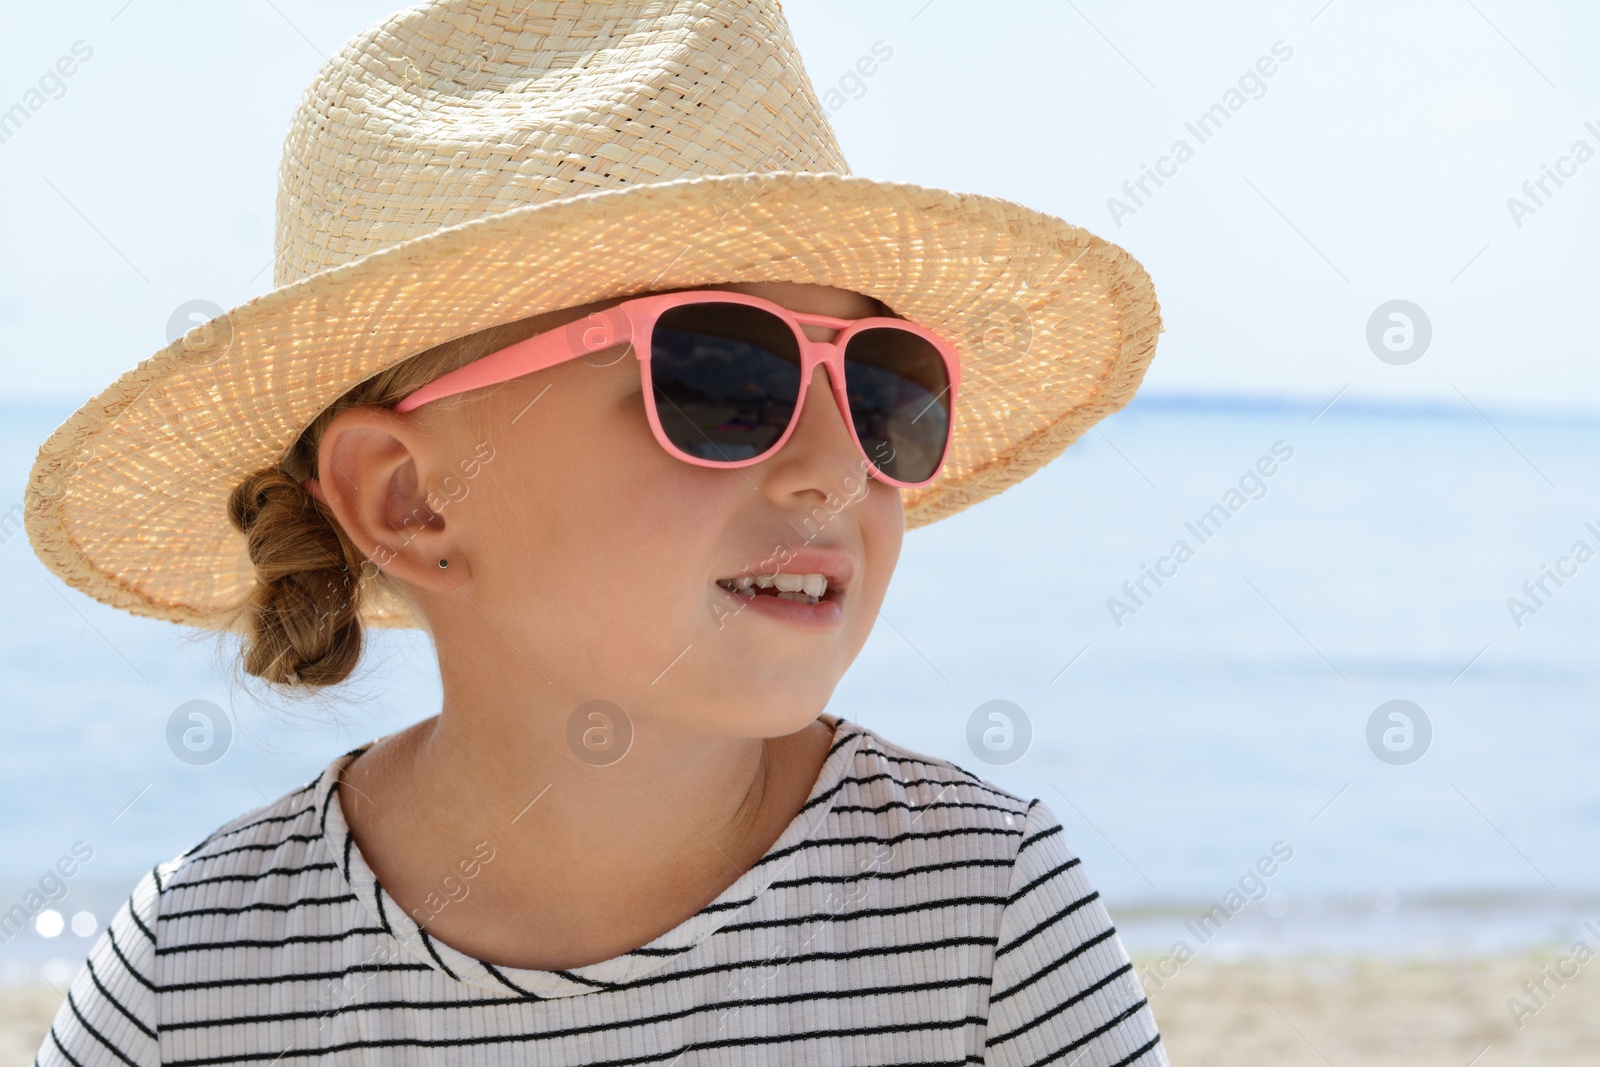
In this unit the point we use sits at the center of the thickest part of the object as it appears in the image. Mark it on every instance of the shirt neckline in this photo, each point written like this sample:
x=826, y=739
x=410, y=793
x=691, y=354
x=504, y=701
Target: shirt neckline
x=412, y=943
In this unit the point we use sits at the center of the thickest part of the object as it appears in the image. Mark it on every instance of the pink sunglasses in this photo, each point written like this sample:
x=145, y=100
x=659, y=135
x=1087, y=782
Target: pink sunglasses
x=725, y=375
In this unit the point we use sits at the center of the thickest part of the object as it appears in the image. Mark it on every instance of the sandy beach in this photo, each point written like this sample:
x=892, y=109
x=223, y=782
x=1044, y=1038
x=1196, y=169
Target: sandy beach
x=25, y=1014
x=1343, y=1010
x=1285, y=1012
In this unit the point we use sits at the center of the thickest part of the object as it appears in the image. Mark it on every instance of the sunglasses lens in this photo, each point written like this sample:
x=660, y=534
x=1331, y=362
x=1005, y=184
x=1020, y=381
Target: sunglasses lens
x=899, y=392
x=725, y=379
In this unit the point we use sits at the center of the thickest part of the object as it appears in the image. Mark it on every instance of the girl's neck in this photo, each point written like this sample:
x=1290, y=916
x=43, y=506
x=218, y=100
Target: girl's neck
x=589, y=862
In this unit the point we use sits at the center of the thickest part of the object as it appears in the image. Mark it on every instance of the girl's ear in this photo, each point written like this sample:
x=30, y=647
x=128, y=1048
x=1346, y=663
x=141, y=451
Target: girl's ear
x=368, y=463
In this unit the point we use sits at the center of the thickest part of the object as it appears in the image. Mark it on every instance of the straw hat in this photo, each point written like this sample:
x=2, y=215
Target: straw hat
x=469, y=163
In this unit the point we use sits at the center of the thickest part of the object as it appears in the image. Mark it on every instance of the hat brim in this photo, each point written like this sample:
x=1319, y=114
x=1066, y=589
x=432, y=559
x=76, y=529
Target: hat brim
x=1056, y=326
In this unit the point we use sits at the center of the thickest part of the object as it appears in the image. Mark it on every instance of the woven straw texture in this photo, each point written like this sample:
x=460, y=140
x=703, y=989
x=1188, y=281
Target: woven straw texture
x=465, y=164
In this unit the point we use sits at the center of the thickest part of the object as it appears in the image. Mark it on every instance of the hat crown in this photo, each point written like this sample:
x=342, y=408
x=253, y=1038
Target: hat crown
x=455, y=110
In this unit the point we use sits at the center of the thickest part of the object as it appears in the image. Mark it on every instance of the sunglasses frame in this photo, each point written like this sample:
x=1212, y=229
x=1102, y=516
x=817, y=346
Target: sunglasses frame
x=631, y=319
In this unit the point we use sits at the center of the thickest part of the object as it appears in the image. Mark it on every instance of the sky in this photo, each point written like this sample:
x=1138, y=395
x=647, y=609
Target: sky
x=1378, y=161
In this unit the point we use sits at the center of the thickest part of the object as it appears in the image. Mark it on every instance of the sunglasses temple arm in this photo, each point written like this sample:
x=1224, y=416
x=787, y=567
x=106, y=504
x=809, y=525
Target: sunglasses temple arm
x=581, y=337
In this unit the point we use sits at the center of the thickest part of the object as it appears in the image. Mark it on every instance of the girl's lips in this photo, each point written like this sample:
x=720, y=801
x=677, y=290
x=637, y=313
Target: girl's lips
x=826, y=613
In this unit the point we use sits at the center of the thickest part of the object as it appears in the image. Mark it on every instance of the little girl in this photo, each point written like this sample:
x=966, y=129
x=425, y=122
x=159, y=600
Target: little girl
x=590, y=357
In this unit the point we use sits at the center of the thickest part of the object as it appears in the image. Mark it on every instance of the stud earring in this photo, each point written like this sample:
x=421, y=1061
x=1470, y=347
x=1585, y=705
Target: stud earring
x=443, y=563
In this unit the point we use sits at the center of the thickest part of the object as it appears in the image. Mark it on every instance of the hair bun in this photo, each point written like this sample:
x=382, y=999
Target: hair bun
x=302, y=623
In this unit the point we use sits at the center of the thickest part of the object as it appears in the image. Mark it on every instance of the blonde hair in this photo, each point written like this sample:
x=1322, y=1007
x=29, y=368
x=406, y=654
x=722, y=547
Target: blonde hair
x=301, y=622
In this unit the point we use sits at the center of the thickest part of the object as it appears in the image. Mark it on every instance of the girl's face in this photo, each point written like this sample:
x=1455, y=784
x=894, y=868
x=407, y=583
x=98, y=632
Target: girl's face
x=589, y=563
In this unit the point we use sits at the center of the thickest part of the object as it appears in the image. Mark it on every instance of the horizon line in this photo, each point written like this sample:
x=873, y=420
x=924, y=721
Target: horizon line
x=1165, y=399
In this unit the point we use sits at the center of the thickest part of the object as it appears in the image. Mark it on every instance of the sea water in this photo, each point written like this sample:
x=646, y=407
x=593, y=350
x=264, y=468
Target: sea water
x=1197, y=717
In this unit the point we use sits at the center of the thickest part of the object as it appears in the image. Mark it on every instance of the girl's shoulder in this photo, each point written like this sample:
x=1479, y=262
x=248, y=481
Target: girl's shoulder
x=284, y=838
x=254, y=882
x=904, y=794
x=896, y=768
x=260, y=872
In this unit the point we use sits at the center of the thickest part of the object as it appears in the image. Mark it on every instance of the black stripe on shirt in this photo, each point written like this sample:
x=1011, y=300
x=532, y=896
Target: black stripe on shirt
x=609, y=1026
x=698, y=1046
x=260, y=905
x=114, y=1002
x=1066, y=910
x=1105, y=935
x=1105, y=1027
x=89, y=1028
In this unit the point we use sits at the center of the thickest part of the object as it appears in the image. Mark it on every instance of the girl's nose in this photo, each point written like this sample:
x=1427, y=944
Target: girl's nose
x=821, y=426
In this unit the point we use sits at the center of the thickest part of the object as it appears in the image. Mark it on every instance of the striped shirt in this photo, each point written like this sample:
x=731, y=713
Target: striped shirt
x=911, y=912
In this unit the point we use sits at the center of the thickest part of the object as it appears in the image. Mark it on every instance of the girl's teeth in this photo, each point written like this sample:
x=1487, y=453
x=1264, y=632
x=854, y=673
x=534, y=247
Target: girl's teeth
x=805, y=588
